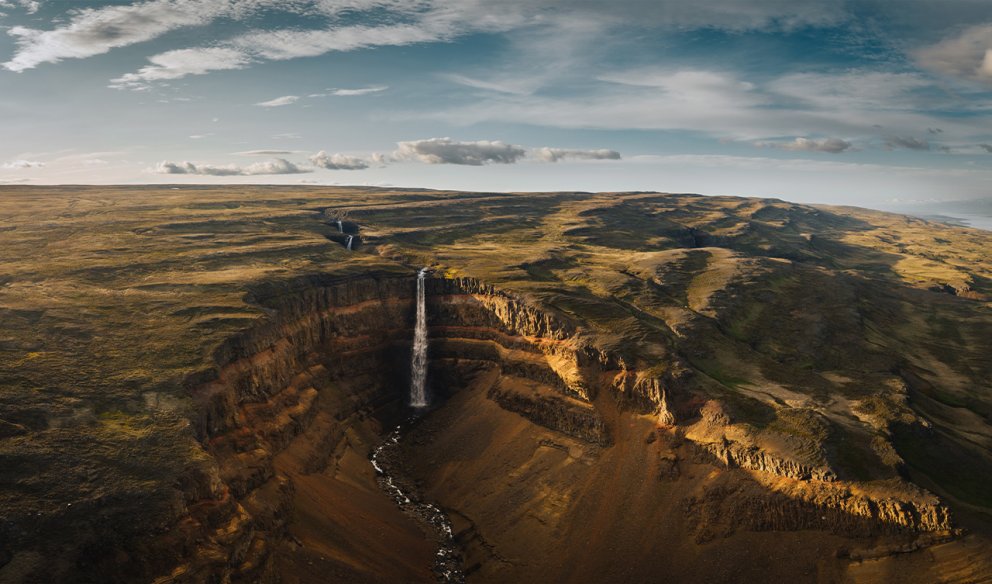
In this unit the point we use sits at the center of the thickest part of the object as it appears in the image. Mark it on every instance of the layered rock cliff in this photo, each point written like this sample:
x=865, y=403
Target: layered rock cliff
x=333, y=351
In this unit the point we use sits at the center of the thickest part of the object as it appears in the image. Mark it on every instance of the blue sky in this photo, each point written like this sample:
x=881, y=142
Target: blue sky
x=840, y=101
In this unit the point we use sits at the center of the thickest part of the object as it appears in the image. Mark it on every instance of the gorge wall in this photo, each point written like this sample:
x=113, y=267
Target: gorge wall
x=294, y=405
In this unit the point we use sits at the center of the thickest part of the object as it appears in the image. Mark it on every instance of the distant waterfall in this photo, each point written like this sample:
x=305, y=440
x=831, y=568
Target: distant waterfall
x=340, y=226
x=351, y=238
x=418, y=363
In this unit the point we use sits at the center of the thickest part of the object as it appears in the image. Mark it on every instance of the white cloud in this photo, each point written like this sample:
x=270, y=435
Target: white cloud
x=555, y=154
x=830, y=145
x=21, y=164
x=358, y=91
x=448, y=151
x=275, y=166
x=180, y=63
x=280, y=101
x=338, y=161
x=967, y=55
x=94, y=31
x=277, y=45
x=29, y=6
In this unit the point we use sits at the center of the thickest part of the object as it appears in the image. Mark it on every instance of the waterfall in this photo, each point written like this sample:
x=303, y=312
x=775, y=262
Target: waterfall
x=351, y=238
x=418, y=363
x=340, y=226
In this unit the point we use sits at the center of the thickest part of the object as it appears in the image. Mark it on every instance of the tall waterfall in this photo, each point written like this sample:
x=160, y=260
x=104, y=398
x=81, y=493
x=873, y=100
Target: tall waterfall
x=340, y=226
x=351, y=238
x=418, y=363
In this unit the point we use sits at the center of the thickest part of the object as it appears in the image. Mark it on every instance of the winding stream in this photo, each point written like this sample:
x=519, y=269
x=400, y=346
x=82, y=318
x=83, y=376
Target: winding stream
x=447, y=559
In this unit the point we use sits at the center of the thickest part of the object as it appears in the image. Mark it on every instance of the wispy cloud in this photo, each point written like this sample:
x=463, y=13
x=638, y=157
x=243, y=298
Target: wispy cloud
x=830, y=145
x=967, y=55
x=397, y=23
x=279, y=101
x=288, y=99
x=265, y=152
x=180, y=63
x=555, y=154
x=511, y=85
x=723, y=105
x=279, y=45
x=95, y=31
x=357, y=91
x=275, y=166
x=907, y=143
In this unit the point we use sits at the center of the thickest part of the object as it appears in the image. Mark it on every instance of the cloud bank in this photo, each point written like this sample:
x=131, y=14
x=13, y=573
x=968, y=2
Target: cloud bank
x=21, y=164
x=448, y=151
x=275, y=166
x=338, y=161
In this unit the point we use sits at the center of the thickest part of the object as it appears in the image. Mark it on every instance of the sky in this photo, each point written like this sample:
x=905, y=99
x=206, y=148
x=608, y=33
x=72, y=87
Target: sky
x=864, y=102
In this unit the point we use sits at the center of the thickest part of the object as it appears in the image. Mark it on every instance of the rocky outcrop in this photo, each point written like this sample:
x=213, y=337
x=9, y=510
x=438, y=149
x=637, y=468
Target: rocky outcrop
x=565, y=415
x=726, y=506
x=754, y=458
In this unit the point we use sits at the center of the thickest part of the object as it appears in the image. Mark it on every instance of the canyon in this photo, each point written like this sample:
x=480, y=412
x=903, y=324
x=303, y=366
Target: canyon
x=623, y=387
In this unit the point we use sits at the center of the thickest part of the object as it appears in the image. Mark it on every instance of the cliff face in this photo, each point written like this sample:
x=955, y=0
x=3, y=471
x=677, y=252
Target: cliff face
x=333, y=356
x=330, y=354
x=281, y=401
